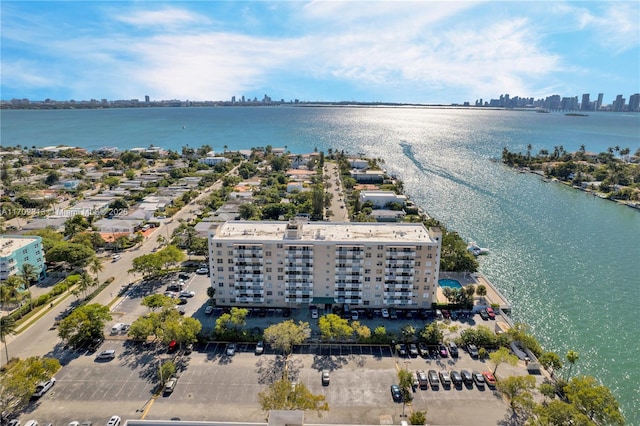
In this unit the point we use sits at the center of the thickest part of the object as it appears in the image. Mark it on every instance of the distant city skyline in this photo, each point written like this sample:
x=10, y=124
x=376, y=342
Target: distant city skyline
x=322, y=51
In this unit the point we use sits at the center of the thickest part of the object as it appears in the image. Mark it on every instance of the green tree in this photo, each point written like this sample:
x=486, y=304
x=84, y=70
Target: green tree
x=18, y=380
x=28, y=274
x=10, y=289
x=284, y=395
x=157, y=301
x=334, y=328
x=481, y=290
x=408, y=333
x=7, y=328
x=547, y=390
x=557, y=412
x=95, y=266
x=418, y=418
x=284, y=335
x=594, y=401
x=550, y=360
x=572, y=358
x=76, y=255
x=84, y=323
x=165, y=371
x=502, y=356
x=432, y=333
x=230, y=324
x=405, y=381
x=517, y=389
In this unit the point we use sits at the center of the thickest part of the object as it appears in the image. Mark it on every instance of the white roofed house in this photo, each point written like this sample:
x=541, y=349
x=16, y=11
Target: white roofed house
x=380, y=199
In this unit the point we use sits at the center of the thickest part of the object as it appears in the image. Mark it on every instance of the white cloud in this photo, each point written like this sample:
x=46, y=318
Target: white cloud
x=170, y=17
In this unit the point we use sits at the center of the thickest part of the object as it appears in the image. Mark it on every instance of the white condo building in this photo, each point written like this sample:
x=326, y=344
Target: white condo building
x=297, y=263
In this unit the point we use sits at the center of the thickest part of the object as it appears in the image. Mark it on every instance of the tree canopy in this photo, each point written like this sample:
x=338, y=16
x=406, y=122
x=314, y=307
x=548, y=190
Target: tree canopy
x=19, y=378
x=84, y=323
x=284, y=395
x=283, y=336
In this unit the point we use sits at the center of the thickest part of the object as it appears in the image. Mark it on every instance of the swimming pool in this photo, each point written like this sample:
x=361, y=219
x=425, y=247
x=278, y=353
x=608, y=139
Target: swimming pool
x=446, y=282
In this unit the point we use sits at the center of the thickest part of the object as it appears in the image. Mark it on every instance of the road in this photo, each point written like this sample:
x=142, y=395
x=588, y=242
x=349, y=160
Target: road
x=40, y=340
x=338, y=202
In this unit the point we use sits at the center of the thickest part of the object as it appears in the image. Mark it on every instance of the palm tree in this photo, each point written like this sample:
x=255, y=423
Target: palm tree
x=84, y=283
x=7, y=328
x=28, y=274
x=95, y=266
x=572, y=357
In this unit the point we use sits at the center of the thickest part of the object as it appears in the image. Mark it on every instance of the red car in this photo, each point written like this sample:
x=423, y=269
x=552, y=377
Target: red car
x=491, y=314
x=489, y=379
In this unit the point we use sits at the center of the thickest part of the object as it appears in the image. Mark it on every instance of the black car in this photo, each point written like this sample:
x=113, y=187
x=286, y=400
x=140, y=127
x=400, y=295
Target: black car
x=95, y=343
x=453, y=349
x=286, y=312
x=183, y=276
x=467, y=378
x=484, y=315
x=423, y=349
x=401, y=349
x=456, y=378
x=396, y=393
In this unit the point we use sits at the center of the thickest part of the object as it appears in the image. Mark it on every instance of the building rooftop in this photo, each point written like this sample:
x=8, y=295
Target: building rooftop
x=9, y=244
x=323, y=231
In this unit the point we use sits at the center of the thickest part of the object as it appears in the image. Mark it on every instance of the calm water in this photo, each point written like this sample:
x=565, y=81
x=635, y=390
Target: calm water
x=567, y=261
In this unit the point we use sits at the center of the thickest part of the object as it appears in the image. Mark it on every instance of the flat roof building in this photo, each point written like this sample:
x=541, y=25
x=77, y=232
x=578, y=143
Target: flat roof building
x=298, y=263
x=16, y=250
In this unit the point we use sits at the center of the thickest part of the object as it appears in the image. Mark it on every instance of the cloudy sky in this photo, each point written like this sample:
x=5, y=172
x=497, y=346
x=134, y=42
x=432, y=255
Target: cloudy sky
x=424, y=52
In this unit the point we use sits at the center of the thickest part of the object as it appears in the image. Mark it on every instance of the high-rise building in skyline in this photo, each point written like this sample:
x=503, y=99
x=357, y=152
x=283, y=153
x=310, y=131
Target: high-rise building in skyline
x=585, y=105
x=599, y=103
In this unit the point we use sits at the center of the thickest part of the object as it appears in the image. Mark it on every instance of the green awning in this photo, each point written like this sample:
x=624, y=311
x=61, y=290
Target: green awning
x=323, y=300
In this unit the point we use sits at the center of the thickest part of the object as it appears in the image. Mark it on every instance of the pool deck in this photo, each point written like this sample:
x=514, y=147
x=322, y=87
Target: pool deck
x=493, y=295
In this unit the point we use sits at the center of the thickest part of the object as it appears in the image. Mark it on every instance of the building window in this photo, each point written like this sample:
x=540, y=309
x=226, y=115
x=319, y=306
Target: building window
x=281, y=293
x=380, y=247
x=220, y=285
x=367, y=279
x=220, y=260
x=220, y=268
x=280, y=270
x=366, y=303
x=268, y=285
x=267, y=253
x=269, y=293
x=378, y=279
x=429, y=256
x=368, y=254
x=279, y=246
x=268, y=269
x=230, y=253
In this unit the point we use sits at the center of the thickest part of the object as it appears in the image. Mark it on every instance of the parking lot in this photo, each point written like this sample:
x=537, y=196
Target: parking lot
x=213, y=386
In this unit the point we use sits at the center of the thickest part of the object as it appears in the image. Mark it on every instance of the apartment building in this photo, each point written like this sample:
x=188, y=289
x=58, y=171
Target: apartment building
x=298, y=263
x=18, y=250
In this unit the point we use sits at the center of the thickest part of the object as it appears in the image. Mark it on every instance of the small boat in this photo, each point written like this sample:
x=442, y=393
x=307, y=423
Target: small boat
x=476, y=250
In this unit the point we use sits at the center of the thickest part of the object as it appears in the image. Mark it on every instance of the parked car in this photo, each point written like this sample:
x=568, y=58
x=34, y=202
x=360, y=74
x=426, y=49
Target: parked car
x=170, y=385
x=423, y=349
x=115, y=257
x=467, y=378
x=384, y=312
x=393, y=314
x=453, y=349
x=114, y=421
x=183, y=276
x=473, y=351
x=484, y=315
x=325, y=377
x=456, y=378
x=423, y=380
x=108, y=355
x=187, y=293
x=117, y=328
x=446, y=314
x=354, y=316
x=259, y=347
x=95, y=343
x=231, y=349
x=188, y=348
x=396, y=393
x=442, y=351
x=401, y=349
x=44, y=387
x=489, y=379
x=491, y=313
x=445, y=378
x=173, y=346
x=434, y=381
x=314, y=314
x=413, y=350
x=202, y=271
x=478, y=379
x=208, y=310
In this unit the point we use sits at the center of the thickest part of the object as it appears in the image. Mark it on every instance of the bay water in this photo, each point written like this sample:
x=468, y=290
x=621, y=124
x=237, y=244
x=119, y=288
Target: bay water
x=568, y=261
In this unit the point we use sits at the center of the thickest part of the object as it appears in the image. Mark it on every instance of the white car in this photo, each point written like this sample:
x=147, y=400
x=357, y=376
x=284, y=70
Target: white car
x=187, y=293
x=314, y=314
x=44, y=387
x=208, y=310
x=202, y=271
x=385, y=313
x=114, y=421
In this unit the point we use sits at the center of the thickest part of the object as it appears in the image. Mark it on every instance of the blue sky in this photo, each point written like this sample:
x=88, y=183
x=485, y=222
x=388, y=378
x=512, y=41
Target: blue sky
x=371, y=51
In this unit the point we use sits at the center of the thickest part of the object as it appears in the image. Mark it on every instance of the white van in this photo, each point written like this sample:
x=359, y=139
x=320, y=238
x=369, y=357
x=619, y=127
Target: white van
x=117, y=328
x=31, y=423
